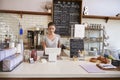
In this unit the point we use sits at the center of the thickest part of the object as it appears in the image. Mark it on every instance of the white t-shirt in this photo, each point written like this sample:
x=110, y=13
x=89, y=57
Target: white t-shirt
x=52, y=43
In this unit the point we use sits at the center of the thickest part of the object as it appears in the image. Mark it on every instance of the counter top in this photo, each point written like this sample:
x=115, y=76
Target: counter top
x=60, y=69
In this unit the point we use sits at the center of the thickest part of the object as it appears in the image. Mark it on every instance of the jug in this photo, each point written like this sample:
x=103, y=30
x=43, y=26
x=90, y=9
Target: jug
x=34, y=55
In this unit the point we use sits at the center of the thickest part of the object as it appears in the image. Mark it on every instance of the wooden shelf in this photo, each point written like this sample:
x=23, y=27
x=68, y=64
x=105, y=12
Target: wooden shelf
x=49, y=14
x=25, y=12
x=101, y=17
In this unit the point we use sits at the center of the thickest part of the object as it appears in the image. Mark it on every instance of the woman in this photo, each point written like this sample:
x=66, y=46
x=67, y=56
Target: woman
x=51, y=40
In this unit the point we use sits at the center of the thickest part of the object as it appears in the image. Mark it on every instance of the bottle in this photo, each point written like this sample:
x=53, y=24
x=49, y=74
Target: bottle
x=20, y=30
x=34, y=55
x=82, y=55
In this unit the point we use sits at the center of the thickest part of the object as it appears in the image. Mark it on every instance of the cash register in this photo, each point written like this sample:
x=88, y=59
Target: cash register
x=52, y=53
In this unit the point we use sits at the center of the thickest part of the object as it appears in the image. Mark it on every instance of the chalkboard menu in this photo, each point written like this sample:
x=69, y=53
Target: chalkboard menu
x=75, y=46
x=65, y=14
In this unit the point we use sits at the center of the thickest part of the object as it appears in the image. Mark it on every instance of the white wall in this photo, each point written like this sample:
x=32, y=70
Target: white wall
x=113, y=29
x=95, y=7
x=24, y=5
x=102, y=7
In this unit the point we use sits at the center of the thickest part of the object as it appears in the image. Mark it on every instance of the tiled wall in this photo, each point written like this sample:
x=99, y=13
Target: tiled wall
x=31, y=21
x=28, y=22
x=8, y=26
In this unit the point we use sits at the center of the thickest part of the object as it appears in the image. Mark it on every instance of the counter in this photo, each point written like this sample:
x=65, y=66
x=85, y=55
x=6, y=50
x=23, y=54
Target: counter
x=61, y=69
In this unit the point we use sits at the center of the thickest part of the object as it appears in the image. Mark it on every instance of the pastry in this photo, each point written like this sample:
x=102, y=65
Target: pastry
x=93, y=59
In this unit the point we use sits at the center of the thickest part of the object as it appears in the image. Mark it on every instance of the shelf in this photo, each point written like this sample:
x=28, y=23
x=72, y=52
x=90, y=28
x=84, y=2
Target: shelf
x=89, y=40
x=101, y=17
x=92, y=41
x=93, y=29
x=25, y=12
x=49, y=14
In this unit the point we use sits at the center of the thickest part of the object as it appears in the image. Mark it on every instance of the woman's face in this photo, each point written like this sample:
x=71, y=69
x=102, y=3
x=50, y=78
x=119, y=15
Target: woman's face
x=51, y=29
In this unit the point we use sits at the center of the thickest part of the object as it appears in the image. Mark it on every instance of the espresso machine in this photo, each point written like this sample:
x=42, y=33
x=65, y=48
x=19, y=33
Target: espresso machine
x=34, y=38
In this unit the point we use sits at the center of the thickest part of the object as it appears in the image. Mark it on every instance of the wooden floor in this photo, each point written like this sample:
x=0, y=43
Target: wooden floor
x=60, y=78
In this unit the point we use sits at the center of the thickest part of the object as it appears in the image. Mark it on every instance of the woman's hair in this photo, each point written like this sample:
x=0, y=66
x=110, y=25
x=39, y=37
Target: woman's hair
x=51, y=24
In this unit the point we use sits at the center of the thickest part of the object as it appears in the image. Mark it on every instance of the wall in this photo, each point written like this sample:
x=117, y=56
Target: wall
x=28, y=22
x=8, y=26
x=102, y=7
x=97, y=7
x=24, y=5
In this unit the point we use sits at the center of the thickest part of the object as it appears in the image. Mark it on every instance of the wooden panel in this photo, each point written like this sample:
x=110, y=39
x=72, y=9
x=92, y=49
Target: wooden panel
x=24, y=12
x=101, y=17
x=59, y=78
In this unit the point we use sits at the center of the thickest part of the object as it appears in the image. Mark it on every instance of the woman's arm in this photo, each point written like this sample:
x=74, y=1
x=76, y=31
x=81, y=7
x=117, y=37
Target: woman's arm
x=44, y=45
x=59, y=45
x=59, y=42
